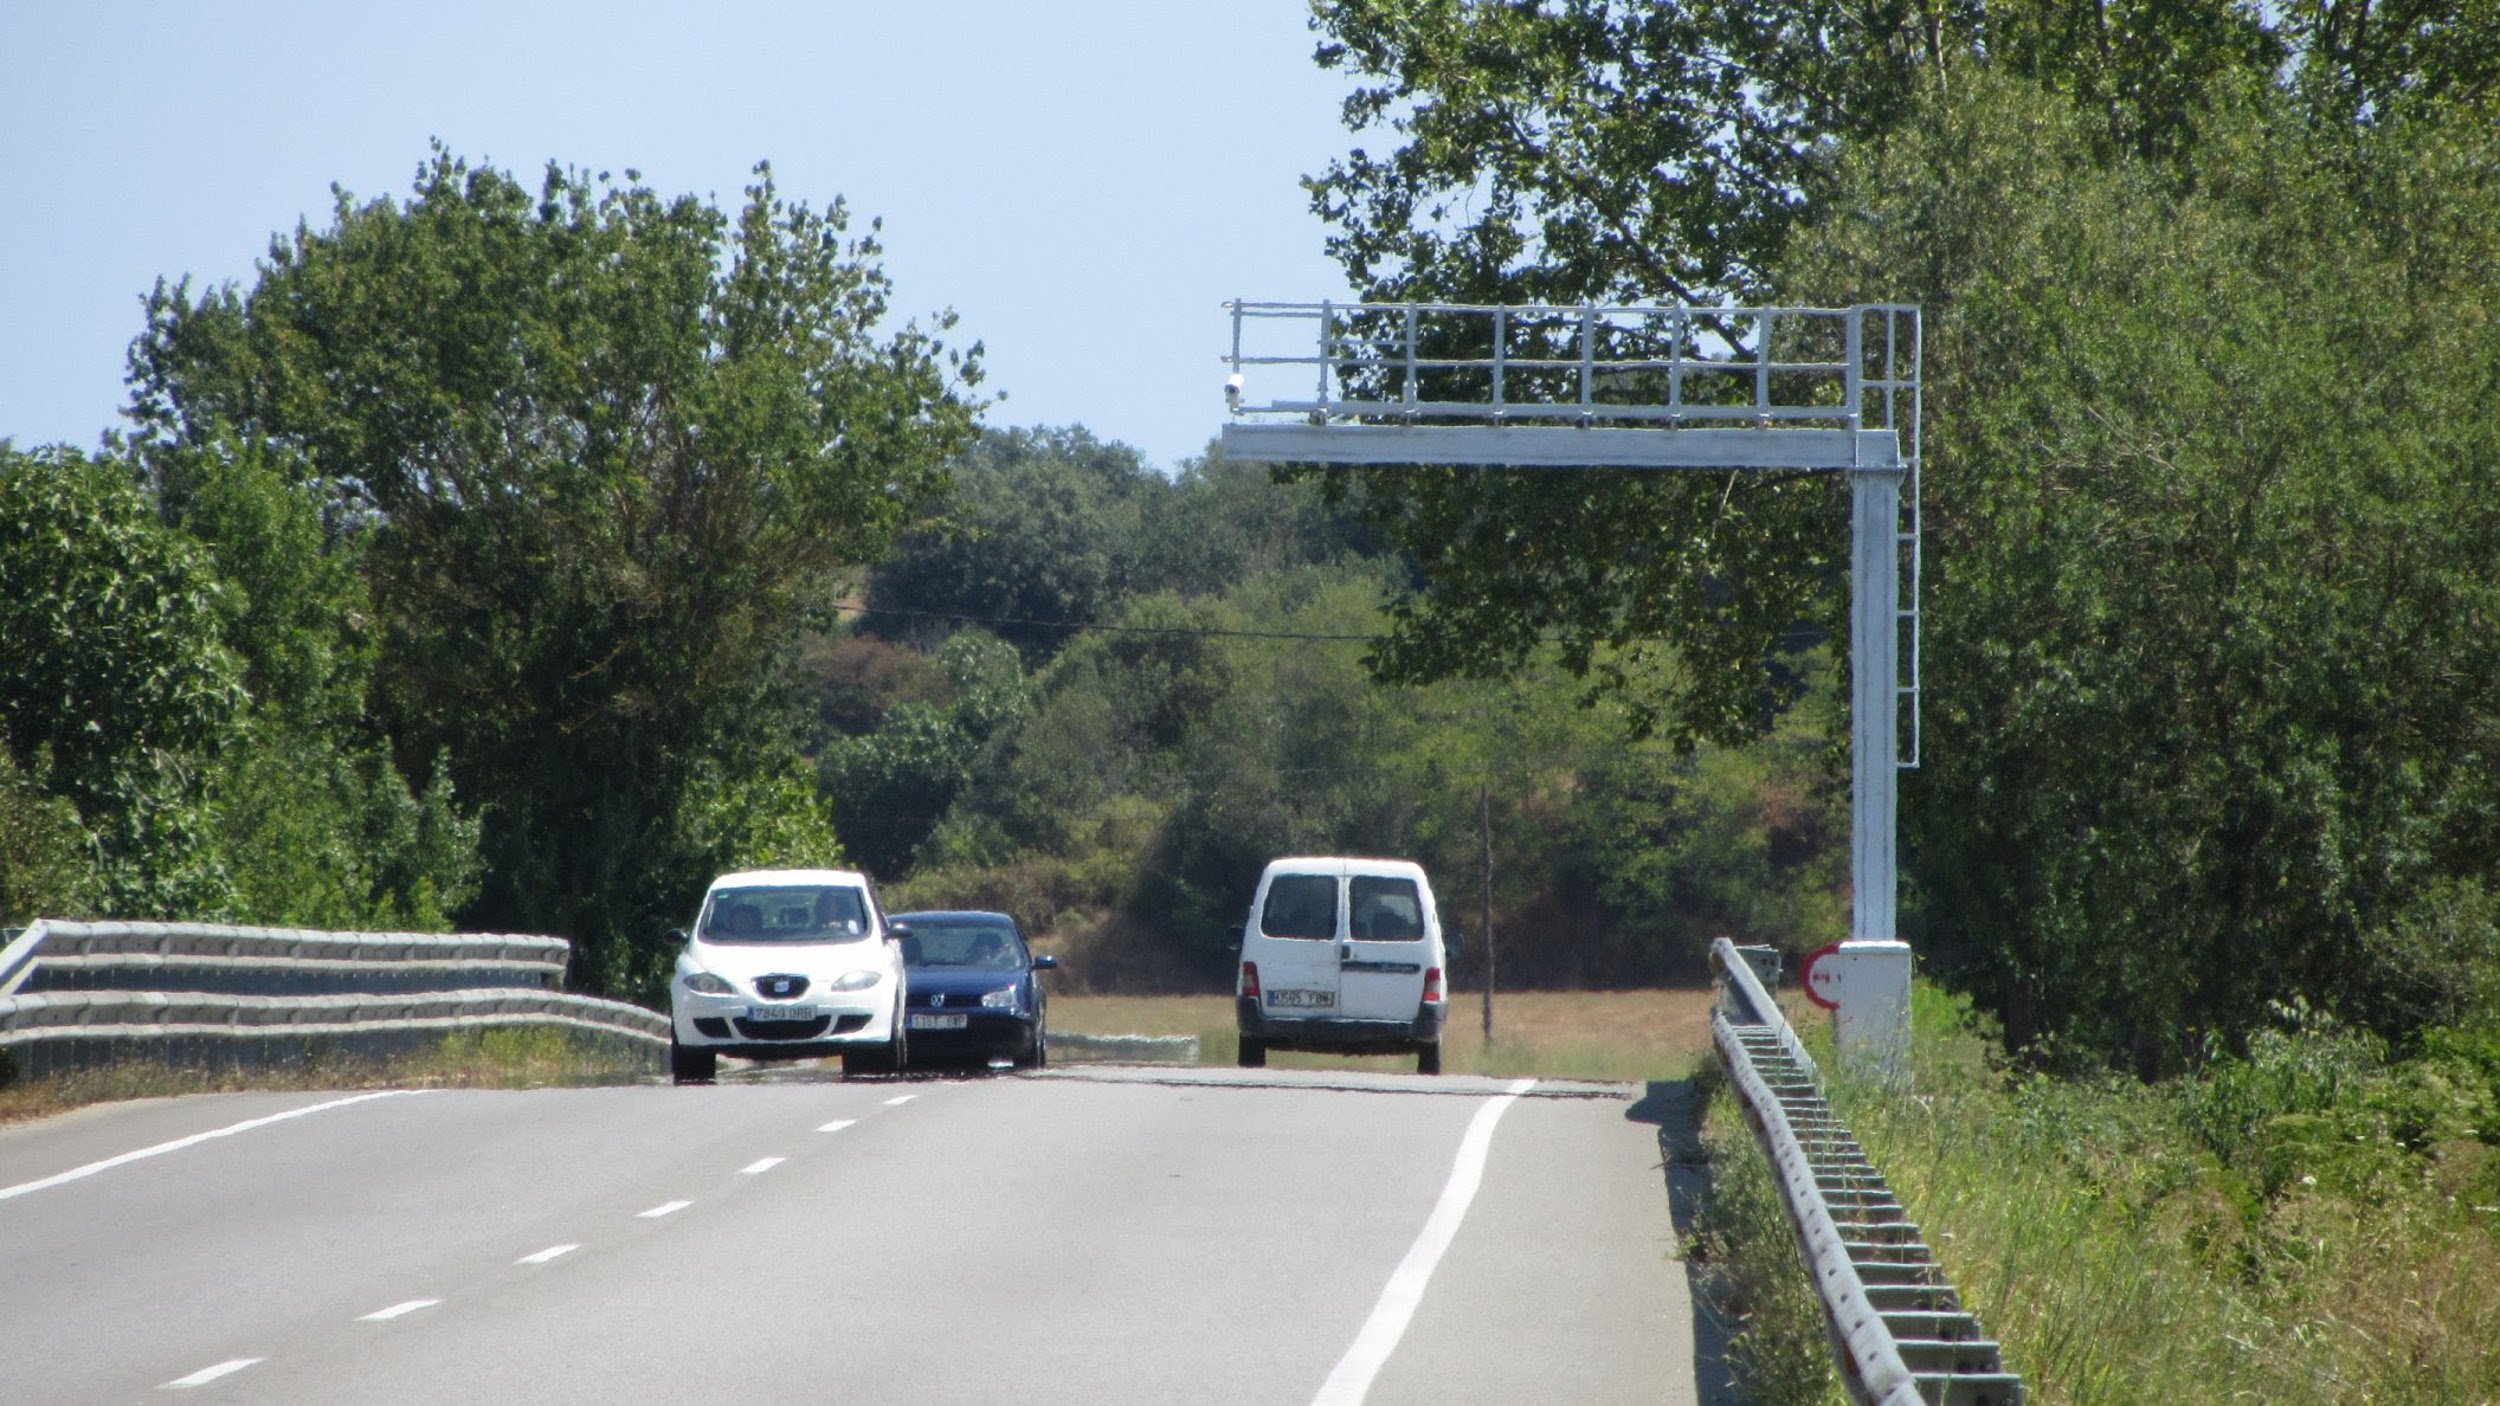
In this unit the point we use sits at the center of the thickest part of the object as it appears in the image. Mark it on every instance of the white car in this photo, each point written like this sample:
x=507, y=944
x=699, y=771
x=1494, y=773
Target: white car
x=788, y=964
x=1342, y=955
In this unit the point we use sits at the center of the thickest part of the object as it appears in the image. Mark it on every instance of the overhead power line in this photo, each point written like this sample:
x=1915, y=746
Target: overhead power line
x=1082, y=626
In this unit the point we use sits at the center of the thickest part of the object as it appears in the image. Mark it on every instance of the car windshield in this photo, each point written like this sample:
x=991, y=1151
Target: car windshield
x=939, y=943
x=798, y=913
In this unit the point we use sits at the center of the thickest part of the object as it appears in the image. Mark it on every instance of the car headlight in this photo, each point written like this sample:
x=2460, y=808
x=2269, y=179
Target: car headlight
x=1004, y=1000
x=707, y=984
x=855, y=981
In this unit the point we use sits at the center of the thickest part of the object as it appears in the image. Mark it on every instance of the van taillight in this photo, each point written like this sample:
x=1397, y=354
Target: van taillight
x=1432, y=984
x=1250, y=979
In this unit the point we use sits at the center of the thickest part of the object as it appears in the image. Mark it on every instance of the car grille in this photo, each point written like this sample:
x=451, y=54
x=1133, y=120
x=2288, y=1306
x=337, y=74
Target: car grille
x=780, y=986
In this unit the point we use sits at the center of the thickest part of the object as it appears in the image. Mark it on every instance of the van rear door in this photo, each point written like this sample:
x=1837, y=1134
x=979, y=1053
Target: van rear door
x=1295, y=945
x=1382, y=957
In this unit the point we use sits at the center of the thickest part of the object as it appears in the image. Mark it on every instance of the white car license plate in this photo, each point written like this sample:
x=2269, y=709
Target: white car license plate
x=1301, y=998
x=763, y=1015
x=918, y=1021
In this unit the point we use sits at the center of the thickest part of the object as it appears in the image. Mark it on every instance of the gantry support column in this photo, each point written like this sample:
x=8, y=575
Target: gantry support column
x=1872, y=1025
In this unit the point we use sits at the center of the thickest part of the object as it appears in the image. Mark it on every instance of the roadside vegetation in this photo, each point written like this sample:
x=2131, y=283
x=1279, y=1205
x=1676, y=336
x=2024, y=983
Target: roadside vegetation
x=1627, y=1037
x=472, y=1059
x=2314, y=1220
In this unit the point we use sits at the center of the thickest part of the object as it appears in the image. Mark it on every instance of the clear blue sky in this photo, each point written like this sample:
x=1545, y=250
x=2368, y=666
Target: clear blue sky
x=1083, y=183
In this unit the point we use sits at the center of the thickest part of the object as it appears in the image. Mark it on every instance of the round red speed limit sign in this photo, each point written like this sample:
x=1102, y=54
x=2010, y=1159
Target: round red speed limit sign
x=1821, y=981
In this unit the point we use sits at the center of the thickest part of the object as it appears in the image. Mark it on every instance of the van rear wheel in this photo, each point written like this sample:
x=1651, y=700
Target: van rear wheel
x=1428, y=1058
x=1253, y=1052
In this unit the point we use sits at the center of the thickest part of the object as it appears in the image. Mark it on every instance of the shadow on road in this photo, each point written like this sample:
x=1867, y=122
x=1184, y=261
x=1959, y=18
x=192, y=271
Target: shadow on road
x=1674, y=1108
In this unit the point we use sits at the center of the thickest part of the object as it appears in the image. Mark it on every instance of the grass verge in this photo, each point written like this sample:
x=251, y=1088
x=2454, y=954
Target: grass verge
x=505, y=1058
x=1747, y=1254
x=2276, y=1229
x=1603, y=1036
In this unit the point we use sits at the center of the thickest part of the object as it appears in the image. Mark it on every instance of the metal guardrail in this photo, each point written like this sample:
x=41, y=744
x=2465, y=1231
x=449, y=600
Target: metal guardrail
x=1899, y=1334
x=73, y=993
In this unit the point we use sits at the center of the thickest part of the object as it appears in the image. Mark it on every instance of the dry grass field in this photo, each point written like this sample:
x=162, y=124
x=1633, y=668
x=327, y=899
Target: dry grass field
x=1621, y=1036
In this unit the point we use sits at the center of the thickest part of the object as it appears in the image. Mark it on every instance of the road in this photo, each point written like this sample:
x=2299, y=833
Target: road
x=1081, y=1235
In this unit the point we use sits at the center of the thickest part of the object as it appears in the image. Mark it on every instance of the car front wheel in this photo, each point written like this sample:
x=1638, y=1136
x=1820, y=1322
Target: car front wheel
x=691, y=1066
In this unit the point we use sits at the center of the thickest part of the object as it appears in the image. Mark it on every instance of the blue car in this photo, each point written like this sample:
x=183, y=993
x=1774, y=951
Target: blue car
x=971, y=989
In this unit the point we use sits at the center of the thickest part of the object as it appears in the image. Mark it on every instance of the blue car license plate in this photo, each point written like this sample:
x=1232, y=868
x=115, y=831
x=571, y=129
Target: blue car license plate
x=918, y=1021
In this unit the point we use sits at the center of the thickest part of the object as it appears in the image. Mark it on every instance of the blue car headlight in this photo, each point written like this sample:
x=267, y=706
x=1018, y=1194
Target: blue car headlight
x=854, y=981
x=1004, y=1000
x=706, y=984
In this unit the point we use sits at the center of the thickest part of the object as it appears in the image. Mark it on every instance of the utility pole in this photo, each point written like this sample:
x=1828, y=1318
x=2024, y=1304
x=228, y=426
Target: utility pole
x=1484, y=832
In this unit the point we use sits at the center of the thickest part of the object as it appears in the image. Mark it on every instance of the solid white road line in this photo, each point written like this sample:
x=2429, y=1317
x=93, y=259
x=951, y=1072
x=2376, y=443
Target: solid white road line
x=206, y=1375
x=837, y=1125
x=1352, y=1378
x=109, y=1163
x=551, y=1252
x=397, y=1310
x=665, y=1208
x=760, y=1166
x=900, y=1098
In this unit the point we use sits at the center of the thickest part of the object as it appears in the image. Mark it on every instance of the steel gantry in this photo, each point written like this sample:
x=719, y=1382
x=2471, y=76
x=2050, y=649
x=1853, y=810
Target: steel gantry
x=1650, y=388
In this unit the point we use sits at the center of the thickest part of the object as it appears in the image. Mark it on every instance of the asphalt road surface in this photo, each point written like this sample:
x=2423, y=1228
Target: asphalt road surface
x=1083, y=1235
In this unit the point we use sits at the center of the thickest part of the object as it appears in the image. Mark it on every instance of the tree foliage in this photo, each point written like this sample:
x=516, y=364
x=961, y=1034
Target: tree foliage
x=2214, y=638
x=599, y=450
x=2209, y=446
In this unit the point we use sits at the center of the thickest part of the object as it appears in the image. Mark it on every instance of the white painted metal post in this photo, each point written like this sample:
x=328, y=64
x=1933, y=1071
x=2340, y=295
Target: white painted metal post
x=1872, y=1026
x=1874, y=704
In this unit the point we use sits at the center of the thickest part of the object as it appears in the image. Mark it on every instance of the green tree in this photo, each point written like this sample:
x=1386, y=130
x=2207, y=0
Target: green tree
x=2213, y=640
x=891, y=787
x=604, y=449
x=117, y=682
x=1038, y=525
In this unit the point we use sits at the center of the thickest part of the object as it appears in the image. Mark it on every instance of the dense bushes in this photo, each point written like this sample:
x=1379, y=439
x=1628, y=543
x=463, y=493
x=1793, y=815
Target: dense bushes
x=2312, y=1221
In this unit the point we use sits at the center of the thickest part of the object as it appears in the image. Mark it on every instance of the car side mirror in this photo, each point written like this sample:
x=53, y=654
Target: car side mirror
x=895, y=931
x=1457, y=943
x=1044, y=962
x=678, y=936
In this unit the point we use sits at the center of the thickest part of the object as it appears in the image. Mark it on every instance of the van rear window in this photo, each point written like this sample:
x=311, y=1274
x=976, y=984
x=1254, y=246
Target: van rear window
x=1300, y=905
x=1385, y=910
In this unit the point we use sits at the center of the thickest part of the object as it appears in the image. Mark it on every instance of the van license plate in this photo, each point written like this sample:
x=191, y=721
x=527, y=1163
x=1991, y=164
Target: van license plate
x=917, y=1021
x=773, y=1015
x=1302, y=998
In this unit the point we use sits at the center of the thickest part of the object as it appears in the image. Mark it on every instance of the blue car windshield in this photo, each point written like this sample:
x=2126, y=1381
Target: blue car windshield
x=807, y=913
x=932, y=943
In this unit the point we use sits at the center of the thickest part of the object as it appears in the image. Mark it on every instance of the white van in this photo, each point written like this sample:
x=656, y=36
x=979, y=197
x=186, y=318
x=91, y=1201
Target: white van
x=1342, y=954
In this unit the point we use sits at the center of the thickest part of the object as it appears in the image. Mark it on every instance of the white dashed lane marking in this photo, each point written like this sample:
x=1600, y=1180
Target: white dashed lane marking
x=206, y=1375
